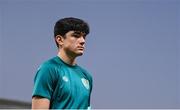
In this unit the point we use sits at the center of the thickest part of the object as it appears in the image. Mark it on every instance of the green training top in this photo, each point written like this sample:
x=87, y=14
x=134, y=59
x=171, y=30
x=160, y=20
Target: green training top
x=66, y=86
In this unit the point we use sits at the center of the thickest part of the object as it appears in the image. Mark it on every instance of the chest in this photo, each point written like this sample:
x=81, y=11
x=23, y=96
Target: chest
x=72, y=84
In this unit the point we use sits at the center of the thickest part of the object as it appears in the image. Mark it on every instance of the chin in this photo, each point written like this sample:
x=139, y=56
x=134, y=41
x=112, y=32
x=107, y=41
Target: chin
x=79, y=53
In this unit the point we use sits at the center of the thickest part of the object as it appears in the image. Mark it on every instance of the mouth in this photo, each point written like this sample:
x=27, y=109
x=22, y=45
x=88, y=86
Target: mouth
x=80, y=48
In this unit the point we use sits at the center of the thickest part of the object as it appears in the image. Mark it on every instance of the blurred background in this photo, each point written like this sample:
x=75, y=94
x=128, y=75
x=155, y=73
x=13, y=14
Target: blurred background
x=132, y=51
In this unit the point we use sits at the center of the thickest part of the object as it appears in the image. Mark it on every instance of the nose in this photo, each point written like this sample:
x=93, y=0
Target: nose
x=82, y=40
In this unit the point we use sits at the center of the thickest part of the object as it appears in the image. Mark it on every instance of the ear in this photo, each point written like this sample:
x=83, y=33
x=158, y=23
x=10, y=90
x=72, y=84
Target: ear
x=59, y=40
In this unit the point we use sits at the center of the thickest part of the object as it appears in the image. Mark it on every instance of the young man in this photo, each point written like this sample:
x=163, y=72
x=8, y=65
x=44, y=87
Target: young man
x=59, y=82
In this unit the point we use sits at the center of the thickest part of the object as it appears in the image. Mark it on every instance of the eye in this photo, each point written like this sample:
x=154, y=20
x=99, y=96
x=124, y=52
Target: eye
x=84, y=37
x=79, y=34
x=76, y=35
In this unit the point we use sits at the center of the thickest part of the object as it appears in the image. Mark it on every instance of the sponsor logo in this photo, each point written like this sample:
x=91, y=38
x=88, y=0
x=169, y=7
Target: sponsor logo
x=65, y=78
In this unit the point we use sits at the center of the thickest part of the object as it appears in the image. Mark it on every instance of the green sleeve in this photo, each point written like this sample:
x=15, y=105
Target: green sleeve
x=43, y=82
x=90, y=83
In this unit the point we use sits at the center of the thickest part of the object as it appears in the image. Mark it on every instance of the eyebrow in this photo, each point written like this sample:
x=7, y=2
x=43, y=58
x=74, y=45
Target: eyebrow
x=79, y=33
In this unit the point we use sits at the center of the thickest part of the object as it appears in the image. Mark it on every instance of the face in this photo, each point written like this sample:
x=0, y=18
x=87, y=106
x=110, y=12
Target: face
x=74, y=43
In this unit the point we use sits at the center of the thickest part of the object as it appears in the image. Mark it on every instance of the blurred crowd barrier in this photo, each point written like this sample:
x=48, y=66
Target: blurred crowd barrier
x=14, y=104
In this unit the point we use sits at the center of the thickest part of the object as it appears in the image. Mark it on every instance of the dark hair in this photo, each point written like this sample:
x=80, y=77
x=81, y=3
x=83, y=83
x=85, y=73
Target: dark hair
x=65, y=25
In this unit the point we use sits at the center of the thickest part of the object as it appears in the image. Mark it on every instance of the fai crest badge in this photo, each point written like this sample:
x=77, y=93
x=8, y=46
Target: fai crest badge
x=85, y=83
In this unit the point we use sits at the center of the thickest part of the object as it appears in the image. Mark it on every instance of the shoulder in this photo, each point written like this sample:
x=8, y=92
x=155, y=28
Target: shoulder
x=50, y=64
x=48, y=68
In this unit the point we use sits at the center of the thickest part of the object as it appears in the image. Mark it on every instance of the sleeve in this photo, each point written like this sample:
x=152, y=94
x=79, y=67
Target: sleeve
x=43, y=82
x=91, y=79
x=91, y=86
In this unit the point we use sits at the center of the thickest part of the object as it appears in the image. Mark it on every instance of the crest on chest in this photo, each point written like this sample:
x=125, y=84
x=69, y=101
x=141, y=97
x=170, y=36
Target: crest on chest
x=85, y=83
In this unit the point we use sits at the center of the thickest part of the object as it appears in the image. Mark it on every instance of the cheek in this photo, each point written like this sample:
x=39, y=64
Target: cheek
x=70, y=44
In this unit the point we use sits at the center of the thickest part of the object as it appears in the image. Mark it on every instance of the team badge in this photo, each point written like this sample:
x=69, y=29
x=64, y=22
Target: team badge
x=85, y=83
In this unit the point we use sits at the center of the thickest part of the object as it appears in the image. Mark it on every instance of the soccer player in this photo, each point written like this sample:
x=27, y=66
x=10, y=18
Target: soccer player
x=60, y=83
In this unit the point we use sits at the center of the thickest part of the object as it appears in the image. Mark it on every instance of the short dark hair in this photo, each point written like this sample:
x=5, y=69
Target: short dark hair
x=65, y=25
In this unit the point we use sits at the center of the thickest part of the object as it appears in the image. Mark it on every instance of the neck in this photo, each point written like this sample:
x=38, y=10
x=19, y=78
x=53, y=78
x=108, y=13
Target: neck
x=66, y=58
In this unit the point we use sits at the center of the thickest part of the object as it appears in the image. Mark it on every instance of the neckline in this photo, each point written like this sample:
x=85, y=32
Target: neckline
x=72, y=66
